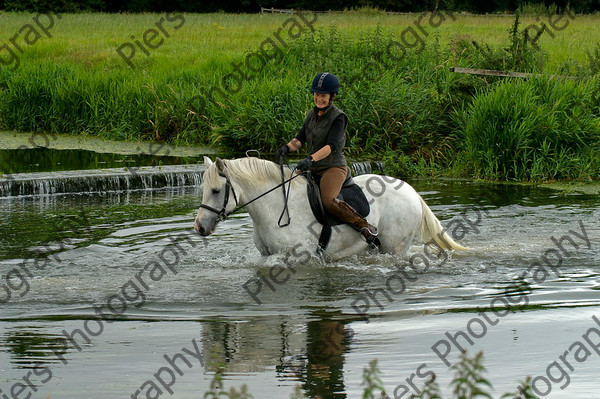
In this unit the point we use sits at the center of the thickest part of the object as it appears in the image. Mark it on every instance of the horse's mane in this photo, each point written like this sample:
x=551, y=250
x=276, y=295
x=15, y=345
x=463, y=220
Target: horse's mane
x=250, y=170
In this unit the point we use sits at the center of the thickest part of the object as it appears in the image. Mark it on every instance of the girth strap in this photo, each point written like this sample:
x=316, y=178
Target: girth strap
x=324, y=238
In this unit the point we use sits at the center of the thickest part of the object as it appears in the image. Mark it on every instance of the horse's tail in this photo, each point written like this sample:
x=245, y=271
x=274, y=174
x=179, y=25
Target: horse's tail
x=431, y=229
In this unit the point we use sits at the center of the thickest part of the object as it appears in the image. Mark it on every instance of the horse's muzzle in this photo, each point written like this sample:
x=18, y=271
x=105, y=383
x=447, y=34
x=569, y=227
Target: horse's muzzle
x=201, y=230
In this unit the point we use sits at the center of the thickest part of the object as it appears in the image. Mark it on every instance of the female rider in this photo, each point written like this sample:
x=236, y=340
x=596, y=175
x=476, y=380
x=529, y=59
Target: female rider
x=324, y=131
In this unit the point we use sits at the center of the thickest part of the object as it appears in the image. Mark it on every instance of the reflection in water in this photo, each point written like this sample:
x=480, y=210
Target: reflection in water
x=44, y=159
x=29, y=348
x=26, y=223
x=249, y=347
x=318, y=350
x=327, y=342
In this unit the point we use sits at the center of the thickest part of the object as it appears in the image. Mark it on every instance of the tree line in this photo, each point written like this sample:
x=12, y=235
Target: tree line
x=250, y=6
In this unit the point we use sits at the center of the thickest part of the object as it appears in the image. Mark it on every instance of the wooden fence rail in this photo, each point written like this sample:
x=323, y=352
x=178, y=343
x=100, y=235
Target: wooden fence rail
x=492, y=72
x=276, y=10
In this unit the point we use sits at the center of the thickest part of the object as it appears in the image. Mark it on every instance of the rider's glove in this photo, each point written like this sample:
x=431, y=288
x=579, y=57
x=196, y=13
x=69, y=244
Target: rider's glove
x=282, y=151
x=305, y=164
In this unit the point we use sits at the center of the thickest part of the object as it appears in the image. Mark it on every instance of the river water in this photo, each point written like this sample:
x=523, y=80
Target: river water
x=65, y=254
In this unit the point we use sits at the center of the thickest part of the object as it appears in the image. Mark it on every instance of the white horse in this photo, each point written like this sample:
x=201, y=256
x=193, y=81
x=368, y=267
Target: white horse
x=397, y=210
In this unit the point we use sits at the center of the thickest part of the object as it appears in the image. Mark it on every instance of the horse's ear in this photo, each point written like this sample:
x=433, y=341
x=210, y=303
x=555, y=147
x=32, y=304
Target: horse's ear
x=220, y=164
x=207, y=161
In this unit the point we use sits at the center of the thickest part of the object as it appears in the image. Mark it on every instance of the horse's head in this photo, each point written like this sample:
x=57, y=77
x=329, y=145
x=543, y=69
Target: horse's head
x=218, y=197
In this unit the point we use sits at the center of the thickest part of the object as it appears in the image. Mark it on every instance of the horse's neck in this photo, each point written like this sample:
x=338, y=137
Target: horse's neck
x=266, y=206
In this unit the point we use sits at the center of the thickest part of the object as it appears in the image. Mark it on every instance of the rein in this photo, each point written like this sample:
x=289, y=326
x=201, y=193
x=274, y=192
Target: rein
x=285, y=199
x=223, y=214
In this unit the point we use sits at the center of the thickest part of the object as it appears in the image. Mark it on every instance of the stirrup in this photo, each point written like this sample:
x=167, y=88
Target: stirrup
x=370, y=236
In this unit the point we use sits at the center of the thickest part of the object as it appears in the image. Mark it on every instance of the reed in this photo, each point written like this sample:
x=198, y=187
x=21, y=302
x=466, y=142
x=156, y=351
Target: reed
x=539, y=129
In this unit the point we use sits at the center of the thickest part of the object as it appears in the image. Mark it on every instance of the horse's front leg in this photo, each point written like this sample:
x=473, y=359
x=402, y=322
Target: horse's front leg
x=260, y=244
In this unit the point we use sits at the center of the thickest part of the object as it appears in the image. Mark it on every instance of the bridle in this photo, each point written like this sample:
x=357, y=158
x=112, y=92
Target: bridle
x=223, y=214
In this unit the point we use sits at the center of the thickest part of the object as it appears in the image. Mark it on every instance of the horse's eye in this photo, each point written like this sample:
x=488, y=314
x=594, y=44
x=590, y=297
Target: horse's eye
x=216, y=191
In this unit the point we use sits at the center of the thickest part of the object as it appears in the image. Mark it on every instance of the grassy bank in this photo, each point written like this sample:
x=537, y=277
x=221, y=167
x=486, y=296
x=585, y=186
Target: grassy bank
x=402, y=101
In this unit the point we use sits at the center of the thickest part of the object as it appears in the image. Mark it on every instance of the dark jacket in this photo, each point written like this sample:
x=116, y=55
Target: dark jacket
x=329, y=128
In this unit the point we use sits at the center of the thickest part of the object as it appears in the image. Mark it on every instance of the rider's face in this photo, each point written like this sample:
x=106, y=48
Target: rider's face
x=321, y=99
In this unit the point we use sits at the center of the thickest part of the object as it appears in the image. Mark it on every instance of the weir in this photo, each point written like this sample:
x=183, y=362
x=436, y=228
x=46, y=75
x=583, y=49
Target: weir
x=100, y=180
x=121, y=179
x=365, y=167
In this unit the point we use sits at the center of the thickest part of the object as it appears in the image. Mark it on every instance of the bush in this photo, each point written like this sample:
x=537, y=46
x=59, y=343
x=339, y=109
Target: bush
x=535, y=130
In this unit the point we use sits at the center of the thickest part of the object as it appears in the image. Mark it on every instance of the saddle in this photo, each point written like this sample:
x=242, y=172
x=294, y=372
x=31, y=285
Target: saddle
x=351, y=193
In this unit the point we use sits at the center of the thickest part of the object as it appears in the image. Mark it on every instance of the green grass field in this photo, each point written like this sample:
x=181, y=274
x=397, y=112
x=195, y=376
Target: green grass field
x=402, y=101
x=91, y=39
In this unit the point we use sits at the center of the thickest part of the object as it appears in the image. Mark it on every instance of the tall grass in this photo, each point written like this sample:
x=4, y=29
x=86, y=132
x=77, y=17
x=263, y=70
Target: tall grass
x=521, y=53
x=534, y=130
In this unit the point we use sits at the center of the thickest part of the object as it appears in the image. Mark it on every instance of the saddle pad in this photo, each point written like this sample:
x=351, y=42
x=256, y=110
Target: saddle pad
x=352, y=195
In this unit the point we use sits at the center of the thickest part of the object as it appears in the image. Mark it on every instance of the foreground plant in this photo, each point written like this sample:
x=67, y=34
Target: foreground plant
x=525, y=393
x=469, y=382
x=372, y=381
x=431, y=390
x=217, y=389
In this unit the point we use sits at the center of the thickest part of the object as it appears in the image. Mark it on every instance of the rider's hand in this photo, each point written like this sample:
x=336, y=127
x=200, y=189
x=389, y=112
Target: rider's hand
x=305, y=164
x=282, y=151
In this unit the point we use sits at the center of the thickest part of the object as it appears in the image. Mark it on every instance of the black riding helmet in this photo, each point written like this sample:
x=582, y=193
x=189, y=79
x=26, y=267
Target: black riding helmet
x=325, y=82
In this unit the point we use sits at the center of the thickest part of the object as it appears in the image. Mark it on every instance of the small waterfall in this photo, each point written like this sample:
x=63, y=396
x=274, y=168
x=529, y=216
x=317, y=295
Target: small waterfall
x=101, y=180
x=121, y=179
x=365, y=167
